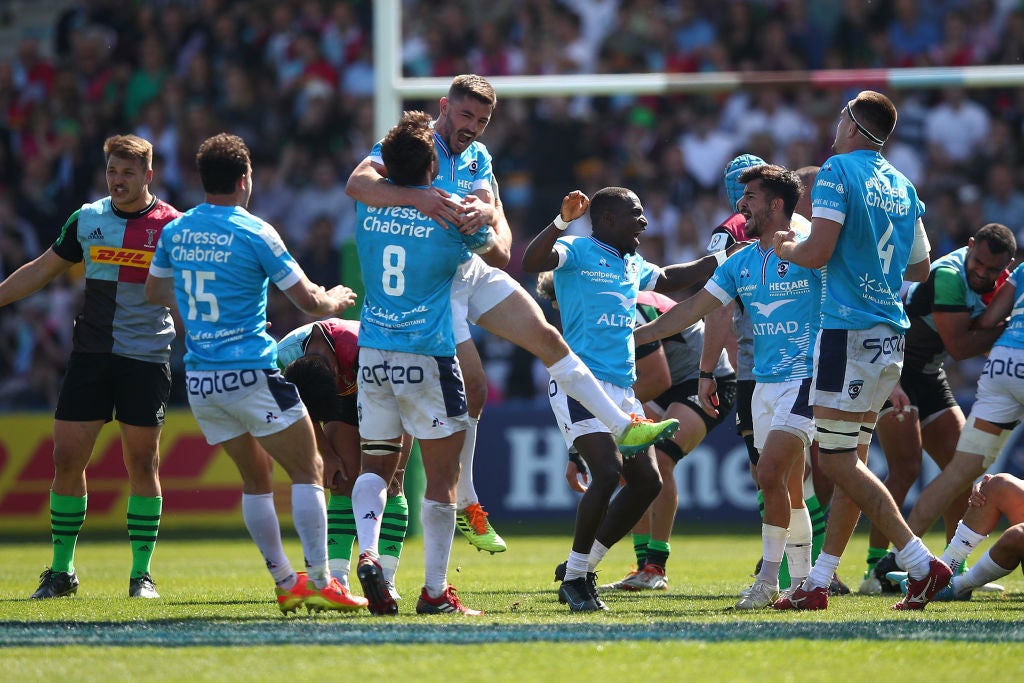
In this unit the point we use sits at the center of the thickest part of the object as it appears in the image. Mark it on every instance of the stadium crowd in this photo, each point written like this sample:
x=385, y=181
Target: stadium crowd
x=295, y=79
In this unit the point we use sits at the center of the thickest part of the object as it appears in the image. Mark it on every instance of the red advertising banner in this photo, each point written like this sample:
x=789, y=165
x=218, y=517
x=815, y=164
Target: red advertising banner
x=201, y=487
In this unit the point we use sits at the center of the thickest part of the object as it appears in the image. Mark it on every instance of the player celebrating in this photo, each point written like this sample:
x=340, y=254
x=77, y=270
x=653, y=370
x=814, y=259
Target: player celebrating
x=782, y=300
x=597, y=279
x=215, y=262
x=481, y=291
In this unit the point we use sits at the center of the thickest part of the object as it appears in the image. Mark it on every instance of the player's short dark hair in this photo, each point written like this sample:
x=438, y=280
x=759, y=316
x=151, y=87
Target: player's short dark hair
x=875, y=112
x=606, y=200
x=317, y=385
x=129, y=147
x=408, y=149
x=778, y=182
x=998, y=237
x=472, y=85
x=222, y=160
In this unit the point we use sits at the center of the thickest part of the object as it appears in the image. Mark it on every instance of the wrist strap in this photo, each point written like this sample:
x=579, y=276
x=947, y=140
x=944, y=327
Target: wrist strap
x=705, y=375
x=559, y=224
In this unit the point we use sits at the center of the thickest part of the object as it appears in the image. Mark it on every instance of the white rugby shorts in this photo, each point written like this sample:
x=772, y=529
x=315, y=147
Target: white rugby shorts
x=409, y=392
x=476, y=289
x=229, y=403
x=856, y=370
x=575, y=421
x=782, y=406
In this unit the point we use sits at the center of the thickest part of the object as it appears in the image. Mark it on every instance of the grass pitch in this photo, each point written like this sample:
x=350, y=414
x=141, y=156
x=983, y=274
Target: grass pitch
x=217, y=620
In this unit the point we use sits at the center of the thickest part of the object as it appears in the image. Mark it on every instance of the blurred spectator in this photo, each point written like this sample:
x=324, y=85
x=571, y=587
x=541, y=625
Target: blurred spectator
x=954, y=128
x=1003, y=201
x=295, y=79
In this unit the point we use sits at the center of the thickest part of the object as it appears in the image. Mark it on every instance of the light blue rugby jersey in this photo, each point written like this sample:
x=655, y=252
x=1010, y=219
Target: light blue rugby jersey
x=596, y=288
x=864, y=275
x=783, y=301
x=458, y=174
x=1013, y=335
x=408, y=263
x=221, y=258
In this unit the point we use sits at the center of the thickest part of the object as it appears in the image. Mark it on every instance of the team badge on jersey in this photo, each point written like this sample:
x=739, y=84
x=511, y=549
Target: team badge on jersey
x=782, y=268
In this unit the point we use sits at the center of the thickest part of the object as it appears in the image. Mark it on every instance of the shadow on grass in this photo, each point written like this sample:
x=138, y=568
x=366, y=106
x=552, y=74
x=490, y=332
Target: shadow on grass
x=251, y=632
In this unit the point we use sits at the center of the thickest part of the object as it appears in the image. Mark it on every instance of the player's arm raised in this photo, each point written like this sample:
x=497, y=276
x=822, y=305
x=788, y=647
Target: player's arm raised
x=677, y=318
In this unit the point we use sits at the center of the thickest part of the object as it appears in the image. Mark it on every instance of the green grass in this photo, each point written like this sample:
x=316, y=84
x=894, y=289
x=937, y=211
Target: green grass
x=217, y=620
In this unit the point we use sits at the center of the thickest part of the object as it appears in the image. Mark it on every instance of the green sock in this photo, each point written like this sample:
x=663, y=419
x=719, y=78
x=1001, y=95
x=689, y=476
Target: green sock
x=874, y=555
x=394, y=524
x=341, y=528
x=760, y=504
x=640, y=543
x=817, y=514
x=143, y=525
x=658, y=552
x=67, y=514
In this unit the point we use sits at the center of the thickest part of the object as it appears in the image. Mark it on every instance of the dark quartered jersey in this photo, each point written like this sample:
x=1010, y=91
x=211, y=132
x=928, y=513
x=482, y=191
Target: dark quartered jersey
x=116, y=249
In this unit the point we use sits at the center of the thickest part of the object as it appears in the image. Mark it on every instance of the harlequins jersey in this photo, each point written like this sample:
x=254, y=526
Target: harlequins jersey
x=117, y=249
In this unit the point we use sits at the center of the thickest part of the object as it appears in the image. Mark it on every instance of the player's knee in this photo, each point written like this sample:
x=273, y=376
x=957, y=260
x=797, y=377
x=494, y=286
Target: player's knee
x=1014, y=536
x=837, y=436
x=987, y=445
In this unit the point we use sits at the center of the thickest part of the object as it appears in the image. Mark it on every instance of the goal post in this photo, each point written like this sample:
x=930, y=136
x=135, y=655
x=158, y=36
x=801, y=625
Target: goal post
x=391, y=88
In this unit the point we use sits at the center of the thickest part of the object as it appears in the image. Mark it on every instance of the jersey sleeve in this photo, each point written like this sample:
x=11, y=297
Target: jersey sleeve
x=67, y=245
x=722, y=284
x=950, y=291
x=160, y=266
x=375, y=154
x=830, y=195
x=649, y=274
x=280, y=266
x=483, y=179
x=721, y=239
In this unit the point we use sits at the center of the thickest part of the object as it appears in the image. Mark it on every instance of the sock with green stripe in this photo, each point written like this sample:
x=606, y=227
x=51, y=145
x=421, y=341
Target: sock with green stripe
x=394, y=525
x=640, y=543
x=67, y=514
x=818, y=519
x=143, y=526
x=874, y=555
x=658, y=552
x=341, y=533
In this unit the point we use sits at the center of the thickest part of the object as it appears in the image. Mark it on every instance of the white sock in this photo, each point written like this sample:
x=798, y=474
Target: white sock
x=798, y=545
x=597, y=553
x=576, y=379
x=388, y=566
x=309, y=514
x=465, y=493
x=964, y=541
x=822, y=572
x=369, y=495
x=773, y=543
x=260, y=519
x=982, y=572
x=340, y=569
x=915, y=557
x=438, y=529
x=576, y=565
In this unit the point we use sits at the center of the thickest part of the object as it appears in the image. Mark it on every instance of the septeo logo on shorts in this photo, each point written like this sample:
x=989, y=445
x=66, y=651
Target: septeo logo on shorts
x=221, y=382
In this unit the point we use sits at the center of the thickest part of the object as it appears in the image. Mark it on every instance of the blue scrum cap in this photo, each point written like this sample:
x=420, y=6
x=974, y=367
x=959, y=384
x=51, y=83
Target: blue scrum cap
x=733, y=186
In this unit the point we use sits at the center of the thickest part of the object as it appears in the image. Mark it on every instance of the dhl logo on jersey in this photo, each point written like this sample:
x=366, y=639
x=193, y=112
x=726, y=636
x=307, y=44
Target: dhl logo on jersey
x=134, y=258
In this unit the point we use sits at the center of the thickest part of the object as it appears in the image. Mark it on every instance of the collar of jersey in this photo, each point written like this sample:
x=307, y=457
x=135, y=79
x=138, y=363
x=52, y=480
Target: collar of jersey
x=612, y=250
x=440, y=143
